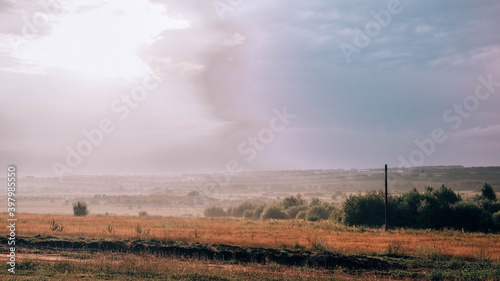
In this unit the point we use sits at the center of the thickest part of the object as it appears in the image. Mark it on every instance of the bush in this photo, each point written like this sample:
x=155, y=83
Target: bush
x=294, y=210
x=292, y=201
x=240, y=210
x=214, y=212
x=248, y=214
x=274, y=212
x=335, y=215
x=80, y=209
x=318, y=212
x=258, y=211
x=194, y=193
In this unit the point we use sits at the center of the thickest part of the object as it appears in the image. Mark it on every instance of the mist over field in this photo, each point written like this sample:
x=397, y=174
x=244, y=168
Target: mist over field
x=190, y=194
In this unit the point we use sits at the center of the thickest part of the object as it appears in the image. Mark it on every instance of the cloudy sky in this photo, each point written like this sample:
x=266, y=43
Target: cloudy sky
x=155, y=87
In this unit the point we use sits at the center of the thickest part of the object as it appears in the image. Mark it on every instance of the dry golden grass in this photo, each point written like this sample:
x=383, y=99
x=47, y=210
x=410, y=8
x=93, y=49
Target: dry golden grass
x=269, y=233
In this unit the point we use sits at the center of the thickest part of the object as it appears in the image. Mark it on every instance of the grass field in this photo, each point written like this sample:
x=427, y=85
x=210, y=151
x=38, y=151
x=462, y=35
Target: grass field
x=422, y=254
x=270, y=233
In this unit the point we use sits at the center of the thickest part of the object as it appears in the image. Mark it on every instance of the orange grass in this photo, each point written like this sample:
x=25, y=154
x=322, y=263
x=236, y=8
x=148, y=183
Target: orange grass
x=269, y=233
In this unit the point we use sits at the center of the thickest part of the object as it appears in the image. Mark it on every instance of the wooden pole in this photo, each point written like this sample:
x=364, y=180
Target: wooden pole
x=386, y=225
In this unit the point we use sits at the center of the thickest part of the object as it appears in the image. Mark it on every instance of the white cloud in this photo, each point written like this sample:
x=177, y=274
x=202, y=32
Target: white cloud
x=423, y=29
x=98, y=41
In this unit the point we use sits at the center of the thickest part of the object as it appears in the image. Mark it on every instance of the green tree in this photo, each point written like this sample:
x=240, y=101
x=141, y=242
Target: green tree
x=292, y=201
x=403, y=210
x=426, y=211
x=445, y=195
x=488, y=192
x=470, y=216
x=434, y=210
x=367, y=209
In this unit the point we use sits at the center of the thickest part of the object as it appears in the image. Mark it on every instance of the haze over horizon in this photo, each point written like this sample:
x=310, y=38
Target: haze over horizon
x=161, y=87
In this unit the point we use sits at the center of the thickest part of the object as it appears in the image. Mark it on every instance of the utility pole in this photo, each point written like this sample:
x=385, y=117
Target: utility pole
x=386, y=226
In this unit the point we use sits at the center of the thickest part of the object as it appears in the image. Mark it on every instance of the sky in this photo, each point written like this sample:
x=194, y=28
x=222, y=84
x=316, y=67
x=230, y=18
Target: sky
x=166, y=87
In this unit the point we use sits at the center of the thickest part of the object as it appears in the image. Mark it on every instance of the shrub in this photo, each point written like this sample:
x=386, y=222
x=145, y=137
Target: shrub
x=248, y=214
x=258, y=211
x=80, y=209
x=110, y=229
x=56, y=227
x=193, y=193
x=214, y=212
x=318, y=212
x=292, y=201
x=294, y=210
x=143, y=214
x=336, y=215
x=274, y=211
x=240, y=210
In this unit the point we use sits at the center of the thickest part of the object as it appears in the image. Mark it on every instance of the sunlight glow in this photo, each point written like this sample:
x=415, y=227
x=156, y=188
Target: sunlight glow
x=101, y=38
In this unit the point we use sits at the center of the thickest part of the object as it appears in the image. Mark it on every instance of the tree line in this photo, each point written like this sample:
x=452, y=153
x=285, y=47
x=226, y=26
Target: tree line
x=433, y=208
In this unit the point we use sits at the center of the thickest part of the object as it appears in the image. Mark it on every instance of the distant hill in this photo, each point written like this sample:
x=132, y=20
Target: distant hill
x=456, y=177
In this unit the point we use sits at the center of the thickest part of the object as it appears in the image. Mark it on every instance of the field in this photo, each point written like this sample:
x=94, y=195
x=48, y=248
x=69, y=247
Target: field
x=172, y=242
x=153, y=247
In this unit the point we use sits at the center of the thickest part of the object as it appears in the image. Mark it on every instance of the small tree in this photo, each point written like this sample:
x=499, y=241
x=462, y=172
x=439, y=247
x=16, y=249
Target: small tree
x=293, y=201
x=488, y=192
x=80, y=209
x=274, y=211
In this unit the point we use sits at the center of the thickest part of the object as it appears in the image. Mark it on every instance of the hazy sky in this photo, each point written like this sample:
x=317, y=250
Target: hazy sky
x=141, y=86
